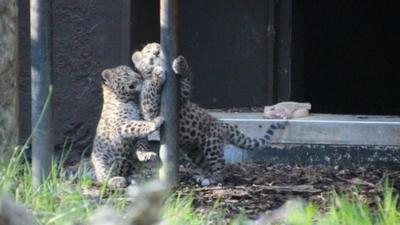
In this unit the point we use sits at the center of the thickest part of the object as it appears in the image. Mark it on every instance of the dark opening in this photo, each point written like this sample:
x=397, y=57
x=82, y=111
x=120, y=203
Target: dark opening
x=145, y=20
x=225, y=42
x=351, y=54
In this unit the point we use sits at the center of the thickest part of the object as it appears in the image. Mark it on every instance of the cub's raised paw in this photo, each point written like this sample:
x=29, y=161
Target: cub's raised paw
x=159, y=74
x=180, y=65
x=117, y=182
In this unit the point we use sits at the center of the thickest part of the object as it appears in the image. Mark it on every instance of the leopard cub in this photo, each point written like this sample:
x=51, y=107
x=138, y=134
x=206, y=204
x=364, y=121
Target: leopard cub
x=120, y=127
x=201, y=136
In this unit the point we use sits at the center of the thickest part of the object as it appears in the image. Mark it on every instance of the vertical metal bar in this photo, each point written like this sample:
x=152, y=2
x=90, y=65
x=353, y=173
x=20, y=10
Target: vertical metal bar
x=284, y=49
x=169, y=103
x=297, y=75
x=271, y=52
x=42, y=145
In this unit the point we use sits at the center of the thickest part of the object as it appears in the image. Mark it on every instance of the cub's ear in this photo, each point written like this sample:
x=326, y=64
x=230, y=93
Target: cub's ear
x=106, y=76
x=136, y=58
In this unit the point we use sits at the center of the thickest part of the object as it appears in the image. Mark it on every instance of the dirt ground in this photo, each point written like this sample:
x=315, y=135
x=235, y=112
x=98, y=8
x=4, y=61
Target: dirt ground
x=255, y=188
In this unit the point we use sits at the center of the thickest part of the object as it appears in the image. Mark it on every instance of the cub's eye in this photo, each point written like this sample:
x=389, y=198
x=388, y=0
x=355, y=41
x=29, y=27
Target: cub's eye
x=133, y=85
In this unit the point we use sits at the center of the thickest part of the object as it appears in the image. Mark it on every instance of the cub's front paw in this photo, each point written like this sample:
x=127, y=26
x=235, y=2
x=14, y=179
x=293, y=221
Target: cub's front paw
x=159, y=74
x=145, y=156
x=158, y=121
x=179, y=65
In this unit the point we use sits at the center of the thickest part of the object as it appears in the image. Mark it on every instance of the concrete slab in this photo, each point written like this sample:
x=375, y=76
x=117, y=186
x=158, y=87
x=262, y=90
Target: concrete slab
x=324, y=129
x=347, y=140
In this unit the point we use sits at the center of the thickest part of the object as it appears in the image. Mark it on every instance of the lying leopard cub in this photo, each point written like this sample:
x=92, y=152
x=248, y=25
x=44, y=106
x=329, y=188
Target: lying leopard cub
x=119, y=126
x=201, y=136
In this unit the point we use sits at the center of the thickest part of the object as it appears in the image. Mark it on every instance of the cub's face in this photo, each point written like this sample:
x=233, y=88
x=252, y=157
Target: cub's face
x=146, y=59
x=123, y=81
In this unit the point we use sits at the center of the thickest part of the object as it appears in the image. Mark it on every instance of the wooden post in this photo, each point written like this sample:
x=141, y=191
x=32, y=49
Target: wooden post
x=8, y=74
x=169, y=103
x=42, y=144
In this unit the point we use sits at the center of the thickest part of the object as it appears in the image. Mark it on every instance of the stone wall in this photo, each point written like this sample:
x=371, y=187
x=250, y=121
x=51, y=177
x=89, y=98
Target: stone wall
x=8, y=75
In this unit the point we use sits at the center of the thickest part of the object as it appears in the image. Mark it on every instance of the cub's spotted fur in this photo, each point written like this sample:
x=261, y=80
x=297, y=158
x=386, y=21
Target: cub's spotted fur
x=119, y=127
x=148, y=62
x=201, y=136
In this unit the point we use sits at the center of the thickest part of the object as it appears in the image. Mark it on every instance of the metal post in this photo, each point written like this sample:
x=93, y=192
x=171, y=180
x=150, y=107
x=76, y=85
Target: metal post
x=42, y=145
x=271, y=32
x=169, y=103
x=284, y=49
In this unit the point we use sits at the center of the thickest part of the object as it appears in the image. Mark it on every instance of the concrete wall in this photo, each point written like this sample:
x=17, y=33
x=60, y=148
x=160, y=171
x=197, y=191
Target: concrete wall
x=87, y=36
x=8, y=75
x=226, y=45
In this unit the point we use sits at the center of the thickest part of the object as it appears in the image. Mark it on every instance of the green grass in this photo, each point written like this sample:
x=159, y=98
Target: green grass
x=59, y=201
x=53, y=202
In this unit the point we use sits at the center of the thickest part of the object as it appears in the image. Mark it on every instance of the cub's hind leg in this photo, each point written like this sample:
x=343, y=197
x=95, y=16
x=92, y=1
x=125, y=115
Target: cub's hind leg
x=208, y=161
x=107, y=168
x=113, y=162
x=213, y=150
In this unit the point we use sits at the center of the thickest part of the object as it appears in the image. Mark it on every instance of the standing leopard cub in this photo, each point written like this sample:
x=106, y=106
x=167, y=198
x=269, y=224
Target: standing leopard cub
x=201, y=136
x=120, y=126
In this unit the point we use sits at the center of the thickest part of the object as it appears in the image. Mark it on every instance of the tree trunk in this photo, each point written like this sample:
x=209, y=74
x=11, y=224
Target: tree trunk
x=8, y=75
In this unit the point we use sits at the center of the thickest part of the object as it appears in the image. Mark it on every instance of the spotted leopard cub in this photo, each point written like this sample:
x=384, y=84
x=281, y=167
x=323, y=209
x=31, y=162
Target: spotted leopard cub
x=120, y=126
x=148, y=63
x=154, y=78
x=201, y=136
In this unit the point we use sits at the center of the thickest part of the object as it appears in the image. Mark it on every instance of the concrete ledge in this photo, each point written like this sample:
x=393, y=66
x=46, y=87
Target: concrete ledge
x=317, y=154
x=346, y=140
x=324, y=129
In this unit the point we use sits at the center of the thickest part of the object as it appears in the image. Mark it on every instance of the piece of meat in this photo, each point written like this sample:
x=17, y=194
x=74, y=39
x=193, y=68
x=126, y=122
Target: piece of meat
x=287, y=110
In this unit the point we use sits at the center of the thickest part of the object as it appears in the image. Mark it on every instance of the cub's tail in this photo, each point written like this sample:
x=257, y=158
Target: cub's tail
x=238, y=138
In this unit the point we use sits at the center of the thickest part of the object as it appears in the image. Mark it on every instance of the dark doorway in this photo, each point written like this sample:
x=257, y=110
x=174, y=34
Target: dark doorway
x=351, y=55
x=226, y=44
x=145, y=21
